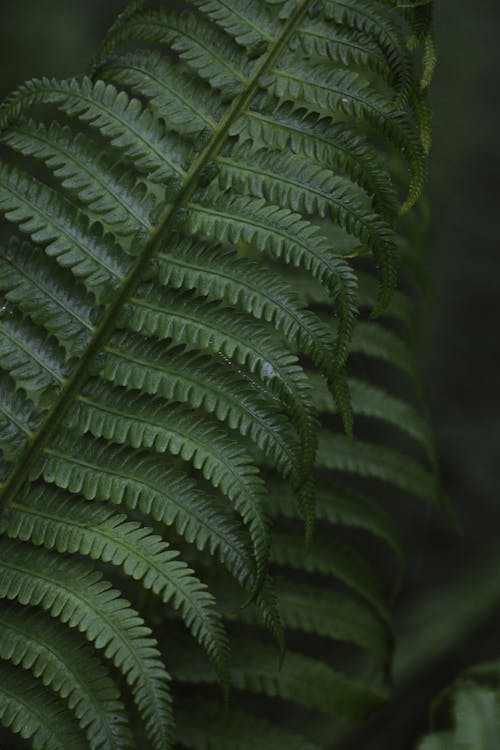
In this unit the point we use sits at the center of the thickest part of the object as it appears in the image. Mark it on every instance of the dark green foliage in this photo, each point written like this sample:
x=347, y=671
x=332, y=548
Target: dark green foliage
x=474, y=701
x=204, y=227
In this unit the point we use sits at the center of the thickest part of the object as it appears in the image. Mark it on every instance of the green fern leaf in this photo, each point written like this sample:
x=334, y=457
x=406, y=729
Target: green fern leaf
x=202, y=382
x=196, y=212
x=365, y=16
x=281, y=233
x=302, y=679
x=371, y=401
x=337, y=504
x=31, y=358
x=334, y=145
x=186, y=106
x=333, y=615
x=333, y=559
x=130, y=128
x=27, y=710
x=48, y=218
x=67, y=665
x=65, y=524
x=386, y=464
x=147, y=484
x=206, y=325
x=252, y=287
x=78, y=596
x=200, y=44
x=52, y=299
x=139, y=423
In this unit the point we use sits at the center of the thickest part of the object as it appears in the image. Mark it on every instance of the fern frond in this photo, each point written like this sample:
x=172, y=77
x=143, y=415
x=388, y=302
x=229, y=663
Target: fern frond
x=321, y=89
x=196, y=212
x=383, y=28
x=331, y=614
x=253, y=288
x=77, y=595
x=109, y=192
x=48, y=218
x=34, y=714
x=429, y=61
x=250, y=24
x=202, y=382
x=330, y=558
x=302, y=679
x=130, y=128
x=370, y=460
x=66, y=524
x=282, y=234
x=18, y=422
x=301, y=186
x=48, y=295
x=335, y=146
x=159, y=490
x=400, y=308
x=342, y=46
x=187, y=106
x=33, y=361
x=370, y=401
x=212, y=54
x=142, y=423
x=208, y=326
x=56, y=656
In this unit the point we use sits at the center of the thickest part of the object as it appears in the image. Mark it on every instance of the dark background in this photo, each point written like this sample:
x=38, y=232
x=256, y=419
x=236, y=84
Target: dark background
x=449, y=613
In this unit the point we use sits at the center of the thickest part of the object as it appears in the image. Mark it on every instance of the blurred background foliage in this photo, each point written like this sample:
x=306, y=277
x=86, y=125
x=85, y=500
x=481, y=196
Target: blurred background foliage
x=448, y=613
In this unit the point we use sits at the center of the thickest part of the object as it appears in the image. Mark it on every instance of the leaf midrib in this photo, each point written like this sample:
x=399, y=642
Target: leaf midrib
x=105, y=329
